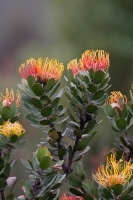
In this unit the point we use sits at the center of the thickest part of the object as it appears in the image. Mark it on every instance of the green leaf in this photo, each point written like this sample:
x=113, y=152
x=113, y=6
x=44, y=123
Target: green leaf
x=92, y=88
x=91, y=108
x=1, y=164
x=31, y=81
x=84, y=151
x=82, y=83
x=56, y=186
x=41, y=152
x=36, y=103
x=72, y=97
x=6, y=171
x=3, y=184
x=74, y=180
x=45, y=122
x=37, y=88
x=71, y=76
x=45, y=162
x=45, y=100
x=107, y=193
x=6, y=113
x=46, y=111
x=50, y=84
x=55, y=102
x=80, y=171
x=77, y=133
x=26, y=163
x=10, y=197
x=121, y=123
x=91, y=73
x=102, y=99
x=90, y=125
x=24, y=87
x=13, y=108
x=75, y=192
x=117, y=189
x=109, y=110
x=82, y=144
x=14, y=119
x=54, y=89
x=114, y=125
x=99, y=76
x=88, y=187
x=104, y=83
x=53, y=134
x=124, y=111
x=61, y=152
x=31, y=118
x=52, y=143
x=98, y=95
x=25, y=99
x=13, y=138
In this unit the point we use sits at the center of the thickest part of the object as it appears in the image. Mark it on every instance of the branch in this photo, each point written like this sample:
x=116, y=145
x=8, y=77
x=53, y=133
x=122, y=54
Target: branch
x=61, y=157
x=2, y=195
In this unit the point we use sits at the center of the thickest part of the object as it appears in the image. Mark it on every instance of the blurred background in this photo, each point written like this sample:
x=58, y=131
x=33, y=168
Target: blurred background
x=64, y=30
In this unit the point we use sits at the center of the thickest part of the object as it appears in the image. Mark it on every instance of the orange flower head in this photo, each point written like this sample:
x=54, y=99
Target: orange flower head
x=9, y=98
x=70, y=197
x=116, y=99
x=29, y=69
x=114, y=172
x=42, y=69
x=75, y=66
x=97, y=60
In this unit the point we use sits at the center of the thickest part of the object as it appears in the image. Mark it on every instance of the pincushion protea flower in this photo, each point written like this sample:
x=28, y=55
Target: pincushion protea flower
x=116, y=99
x=8, y=129
x=42, y=69
x=114, y=172
x=97, y=60
x=66, y=197
x=9, y=98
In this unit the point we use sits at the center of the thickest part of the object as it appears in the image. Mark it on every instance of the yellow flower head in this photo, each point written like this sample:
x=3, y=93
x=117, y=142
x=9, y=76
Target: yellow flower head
x=96, y=60
x=114, y=172
x=8, y=129
x=9, y=98
x=42, y=69
x=114, y=99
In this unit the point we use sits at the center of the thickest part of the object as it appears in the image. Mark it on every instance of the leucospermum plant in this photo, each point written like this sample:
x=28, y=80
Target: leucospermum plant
x=86, y=89
x=11, y=133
